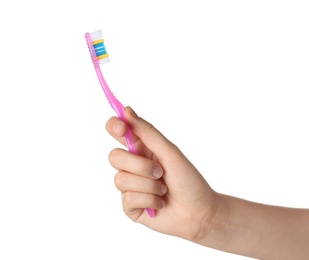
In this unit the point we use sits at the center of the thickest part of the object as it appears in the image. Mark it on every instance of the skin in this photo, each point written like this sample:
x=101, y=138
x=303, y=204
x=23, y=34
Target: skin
x=162, y=178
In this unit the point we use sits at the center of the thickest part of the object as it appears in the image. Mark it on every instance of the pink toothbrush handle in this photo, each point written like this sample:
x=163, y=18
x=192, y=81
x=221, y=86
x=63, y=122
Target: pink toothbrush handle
x=119, y=109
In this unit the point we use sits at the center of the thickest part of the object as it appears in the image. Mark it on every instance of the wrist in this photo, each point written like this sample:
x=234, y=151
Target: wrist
x=213, y=223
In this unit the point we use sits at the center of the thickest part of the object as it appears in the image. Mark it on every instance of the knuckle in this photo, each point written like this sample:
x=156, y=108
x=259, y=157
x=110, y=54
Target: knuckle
x=113, y=155
x=127, y=198
x=149, y=127
x=142, y=165
x=120, y=180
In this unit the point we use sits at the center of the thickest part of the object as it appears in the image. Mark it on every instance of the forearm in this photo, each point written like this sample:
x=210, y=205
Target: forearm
x=259, y=231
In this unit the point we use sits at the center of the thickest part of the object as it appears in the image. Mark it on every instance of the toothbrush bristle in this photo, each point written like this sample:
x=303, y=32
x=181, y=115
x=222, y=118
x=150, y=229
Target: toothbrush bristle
x=99, y=47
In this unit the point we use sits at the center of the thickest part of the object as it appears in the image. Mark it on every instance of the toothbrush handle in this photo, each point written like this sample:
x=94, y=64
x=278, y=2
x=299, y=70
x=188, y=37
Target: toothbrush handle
x=119, y=109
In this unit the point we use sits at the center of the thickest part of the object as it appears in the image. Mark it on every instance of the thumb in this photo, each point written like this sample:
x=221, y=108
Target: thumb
x=152, y=138
x=181, y=176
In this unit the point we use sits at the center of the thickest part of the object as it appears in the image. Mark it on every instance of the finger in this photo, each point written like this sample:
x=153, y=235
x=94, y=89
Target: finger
x=134, y=203
x=151, y=137
x=129, y=162
x=125, y=181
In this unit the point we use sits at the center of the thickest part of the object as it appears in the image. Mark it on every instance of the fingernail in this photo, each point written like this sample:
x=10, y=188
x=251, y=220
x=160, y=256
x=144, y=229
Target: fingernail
x=163, y=189
x=118, y=127
x=157, y=172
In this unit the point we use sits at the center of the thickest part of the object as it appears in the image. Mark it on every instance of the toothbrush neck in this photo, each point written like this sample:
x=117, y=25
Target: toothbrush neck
x=103, y=83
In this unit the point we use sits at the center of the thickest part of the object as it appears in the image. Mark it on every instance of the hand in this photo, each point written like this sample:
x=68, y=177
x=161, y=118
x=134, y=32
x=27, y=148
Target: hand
x=162, y=178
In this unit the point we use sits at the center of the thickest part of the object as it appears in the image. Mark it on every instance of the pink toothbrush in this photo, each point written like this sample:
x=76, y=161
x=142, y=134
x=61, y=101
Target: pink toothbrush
x=99, y=55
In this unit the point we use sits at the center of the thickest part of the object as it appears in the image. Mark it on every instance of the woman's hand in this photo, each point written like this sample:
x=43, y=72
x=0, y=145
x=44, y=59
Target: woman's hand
x=162, y=178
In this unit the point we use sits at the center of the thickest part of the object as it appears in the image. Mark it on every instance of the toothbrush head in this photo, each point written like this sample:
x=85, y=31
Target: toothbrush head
x=96, y=47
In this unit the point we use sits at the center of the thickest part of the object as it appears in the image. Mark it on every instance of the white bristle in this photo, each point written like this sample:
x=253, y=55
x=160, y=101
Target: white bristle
x=97, y=35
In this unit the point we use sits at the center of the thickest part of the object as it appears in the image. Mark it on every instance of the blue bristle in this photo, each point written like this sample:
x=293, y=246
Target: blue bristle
x=99, y=44
x=99, y=49
x=100, y=52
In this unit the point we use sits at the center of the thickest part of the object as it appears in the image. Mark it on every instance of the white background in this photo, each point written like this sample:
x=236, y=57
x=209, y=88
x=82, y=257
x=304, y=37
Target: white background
x=227, y=81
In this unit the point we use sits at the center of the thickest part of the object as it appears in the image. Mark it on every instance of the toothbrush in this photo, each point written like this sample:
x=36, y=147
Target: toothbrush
x=99, y=56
